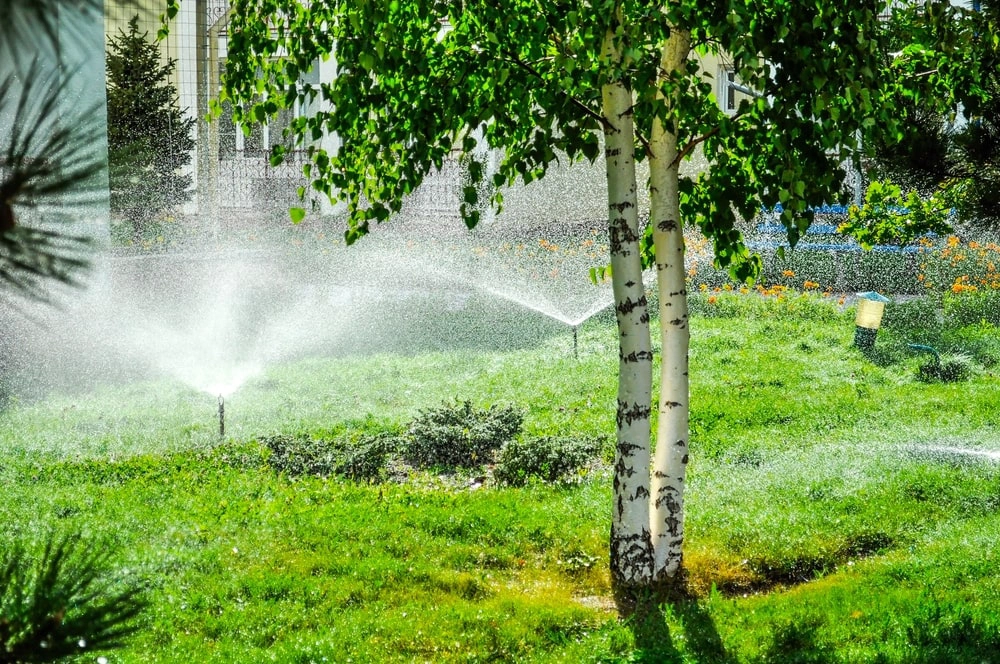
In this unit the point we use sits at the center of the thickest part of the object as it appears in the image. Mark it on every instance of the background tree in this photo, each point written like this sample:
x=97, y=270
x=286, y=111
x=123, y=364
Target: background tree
x=149, y=139
x=540, y=80
x=952, y=109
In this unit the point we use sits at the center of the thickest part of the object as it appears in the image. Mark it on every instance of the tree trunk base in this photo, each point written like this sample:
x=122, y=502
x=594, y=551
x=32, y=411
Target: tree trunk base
x=641, y=600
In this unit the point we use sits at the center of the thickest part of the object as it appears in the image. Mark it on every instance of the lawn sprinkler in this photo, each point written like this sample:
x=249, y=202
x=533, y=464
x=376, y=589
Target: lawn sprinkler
x=871, y=306
x=576, y=352
x=928, y=349
x=222, y=417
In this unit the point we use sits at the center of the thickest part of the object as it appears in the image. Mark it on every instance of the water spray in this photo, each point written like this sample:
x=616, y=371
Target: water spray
x=222, y=417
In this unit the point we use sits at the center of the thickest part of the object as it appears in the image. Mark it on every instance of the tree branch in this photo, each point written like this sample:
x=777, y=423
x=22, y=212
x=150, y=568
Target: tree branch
x=576, y=102
x=692, y=145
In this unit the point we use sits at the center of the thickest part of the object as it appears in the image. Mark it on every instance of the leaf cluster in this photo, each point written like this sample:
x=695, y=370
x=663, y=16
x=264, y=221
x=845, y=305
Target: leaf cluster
x=889, y=217
x=947, y=59
x=47, y=161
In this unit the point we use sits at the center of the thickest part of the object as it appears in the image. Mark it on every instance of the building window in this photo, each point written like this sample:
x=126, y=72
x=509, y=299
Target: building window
x=727, y=92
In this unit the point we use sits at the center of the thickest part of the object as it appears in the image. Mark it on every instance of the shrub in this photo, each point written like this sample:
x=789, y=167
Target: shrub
x=364, y=460
x=359, y=459
x=972, y=308
x=456, y=435
x=297, y=455
x=949, y=369
x=546, y=458
x=921, y=313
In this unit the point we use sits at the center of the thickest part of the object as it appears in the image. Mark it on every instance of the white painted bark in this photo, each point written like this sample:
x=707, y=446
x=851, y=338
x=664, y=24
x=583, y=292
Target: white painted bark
x=631, y=554
x=671, y=457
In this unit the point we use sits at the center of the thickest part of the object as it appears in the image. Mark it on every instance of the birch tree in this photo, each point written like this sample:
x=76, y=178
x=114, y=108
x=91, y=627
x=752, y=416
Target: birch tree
x=544, y=80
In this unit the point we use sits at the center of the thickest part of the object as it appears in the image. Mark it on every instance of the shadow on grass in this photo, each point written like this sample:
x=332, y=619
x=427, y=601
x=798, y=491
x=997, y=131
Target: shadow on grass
x=682, y=630
x=675, y=631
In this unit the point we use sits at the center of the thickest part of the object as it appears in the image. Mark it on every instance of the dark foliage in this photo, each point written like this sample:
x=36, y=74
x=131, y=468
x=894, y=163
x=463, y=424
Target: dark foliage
x=457, y=435
x=43, y=161
x=959, y=146
x=149, y=139
x=951, y=369
x=60, y=603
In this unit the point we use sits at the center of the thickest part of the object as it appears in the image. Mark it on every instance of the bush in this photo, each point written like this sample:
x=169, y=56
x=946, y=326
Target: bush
x=364, y=460
x=950, y=369
x=547, y=458
x=460, y=436
x=359, y=459
x=922, y=313
x=972, y=308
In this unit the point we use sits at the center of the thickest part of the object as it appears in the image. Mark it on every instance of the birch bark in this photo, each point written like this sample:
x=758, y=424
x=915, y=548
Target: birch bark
x=631, y=553
x=671, y=455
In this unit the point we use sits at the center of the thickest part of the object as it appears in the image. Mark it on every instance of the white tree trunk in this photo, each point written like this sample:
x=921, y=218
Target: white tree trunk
x=631, y=552
x=670, y=463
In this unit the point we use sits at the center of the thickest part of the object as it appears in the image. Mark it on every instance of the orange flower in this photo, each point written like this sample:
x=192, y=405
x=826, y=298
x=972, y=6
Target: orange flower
x=788, y=273
x=953, y=241
x=712, y=299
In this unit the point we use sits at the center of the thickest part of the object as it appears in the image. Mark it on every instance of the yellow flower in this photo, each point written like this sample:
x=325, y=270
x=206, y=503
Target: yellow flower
x=788, y=273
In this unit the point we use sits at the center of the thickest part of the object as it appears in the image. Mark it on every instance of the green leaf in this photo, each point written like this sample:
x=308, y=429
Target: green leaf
x=297, y=214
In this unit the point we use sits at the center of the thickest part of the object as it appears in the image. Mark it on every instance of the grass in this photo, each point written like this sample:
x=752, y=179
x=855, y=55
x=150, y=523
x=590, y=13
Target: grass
x=819, y=529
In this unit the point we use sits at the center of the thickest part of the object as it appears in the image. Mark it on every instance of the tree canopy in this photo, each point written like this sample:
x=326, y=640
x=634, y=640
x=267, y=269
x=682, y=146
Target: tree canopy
x=416, y=80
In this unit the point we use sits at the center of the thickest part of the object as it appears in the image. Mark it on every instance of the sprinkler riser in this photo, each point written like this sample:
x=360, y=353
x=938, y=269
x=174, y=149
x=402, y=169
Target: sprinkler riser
x=864, y=337
x=222, y=417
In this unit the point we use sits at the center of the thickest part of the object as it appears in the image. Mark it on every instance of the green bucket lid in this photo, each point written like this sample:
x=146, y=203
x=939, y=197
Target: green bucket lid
x=876, y=297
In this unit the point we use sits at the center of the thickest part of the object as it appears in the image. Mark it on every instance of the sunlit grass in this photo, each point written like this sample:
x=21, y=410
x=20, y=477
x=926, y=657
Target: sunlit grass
x=821, y=528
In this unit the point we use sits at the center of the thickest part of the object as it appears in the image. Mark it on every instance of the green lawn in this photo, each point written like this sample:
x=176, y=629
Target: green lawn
x=820, y=527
